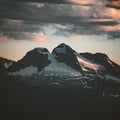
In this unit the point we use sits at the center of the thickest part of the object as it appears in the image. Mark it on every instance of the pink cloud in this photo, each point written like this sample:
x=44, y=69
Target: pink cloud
x=39, y=37
x=81, y=1
x=86, y=1
x=97, y=9
x=57, y=26
x=113, y=13
x=3, y=38
x=111, y=28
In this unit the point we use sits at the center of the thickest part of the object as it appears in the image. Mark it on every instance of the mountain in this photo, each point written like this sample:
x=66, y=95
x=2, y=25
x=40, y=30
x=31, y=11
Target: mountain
x=5, y=64
x=71, y=83
x=34, y=61
x=64, y=61
x=111, y=67
x=67, y=55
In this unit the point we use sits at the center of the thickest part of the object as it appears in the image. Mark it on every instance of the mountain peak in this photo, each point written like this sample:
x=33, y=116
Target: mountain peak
x=99, y=56
x=65, y=54
x=40, y=50
x=62, y=48
x=102, y=55
x=62, y=45
x=85, y=63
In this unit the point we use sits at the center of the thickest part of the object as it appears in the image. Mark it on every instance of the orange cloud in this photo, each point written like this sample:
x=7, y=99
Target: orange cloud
x=87, y=1
x=111, y=28
x=29, y=36
x=3, y=38
x=39, y=37
x=113, y=13
x=81, y=1
x=97, y=10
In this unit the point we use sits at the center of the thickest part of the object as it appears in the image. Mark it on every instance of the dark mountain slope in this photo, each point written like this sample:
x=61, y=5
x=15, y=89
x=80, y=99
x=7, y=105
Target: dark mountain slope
x=37, y=57
x=5, y=64
x=111, y=67
x=67, y=55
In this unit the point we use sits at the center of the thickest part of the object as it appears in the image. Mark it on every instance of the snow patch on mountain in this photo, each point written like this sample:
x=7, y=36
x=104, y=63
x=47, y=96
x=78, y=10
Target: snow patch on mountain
x=31, y=70
x=115, y=96
x=61, y=50
x=7, y=65
x=109, y=77
x=87, y=65
x=51, y=57
x=56, y=67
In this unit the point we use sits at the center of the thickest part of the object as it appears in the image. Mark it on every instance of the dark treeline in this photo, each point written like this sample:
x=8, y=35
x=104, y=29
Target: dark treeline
x=20, y=101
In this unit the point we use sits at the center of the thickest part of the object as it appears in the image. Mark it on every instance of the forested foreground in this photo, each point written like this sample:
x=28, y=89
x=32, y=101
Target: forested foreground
x=20, y=100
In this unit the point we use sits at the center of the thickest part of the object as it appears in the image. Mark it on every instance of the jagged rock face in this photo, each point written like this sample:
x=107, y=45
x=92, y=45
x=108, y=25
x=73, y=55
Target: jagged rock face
x=67, y=55
x=37, y=57
x=102, y=59
x=5, y=64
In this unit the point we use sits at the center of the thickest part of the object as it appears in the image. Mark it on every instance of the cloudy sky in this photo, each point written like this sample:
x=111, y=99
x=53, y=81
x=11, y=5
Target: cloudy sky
x=86, y=25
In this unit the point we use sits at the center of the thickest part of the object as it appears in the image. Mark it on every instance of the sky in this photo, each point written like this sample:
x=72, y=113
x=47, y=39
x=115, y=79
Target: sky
x=86, y=25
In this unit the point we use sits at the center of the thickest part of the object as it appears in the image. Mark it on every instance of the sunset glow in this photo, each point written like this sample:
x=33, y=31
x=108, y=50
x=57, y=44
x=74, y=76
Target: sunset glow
x=86, y=25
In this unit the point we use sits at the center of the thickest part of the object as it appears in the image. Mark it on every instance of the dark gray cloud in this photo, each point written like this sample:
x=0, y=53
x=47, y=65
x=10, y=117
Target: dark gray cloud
x=48, y=2
x=114, y=35
x=42, y=1
x=20, y=36
x=108, y=3
x=7, y=25
x=16, y=35
x=20, y=18
x=80, y=2
x=89, y=29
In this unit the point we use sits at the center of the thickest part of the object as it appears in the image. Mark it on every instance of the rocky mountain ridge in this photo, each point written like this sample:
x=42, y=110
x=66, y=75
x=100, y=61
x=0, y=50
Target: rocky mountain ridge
x=64, y=61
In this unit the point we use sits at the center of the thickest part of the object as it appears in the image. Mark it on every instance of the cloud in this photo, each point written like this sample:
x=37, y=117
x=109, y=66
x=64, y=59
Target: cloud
x=40, y=1
x=79, y=2
x=24, y=36
x=91, y=27
x=57, y=26
x=39, y=37
x=113, y=13
x=21, y=30
x=108, y=3
x=112, y=31
x=50, y=12
x=18, y=26
x=20, y=19
x=73, y=30
x=114, y=4
x=3, y=38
